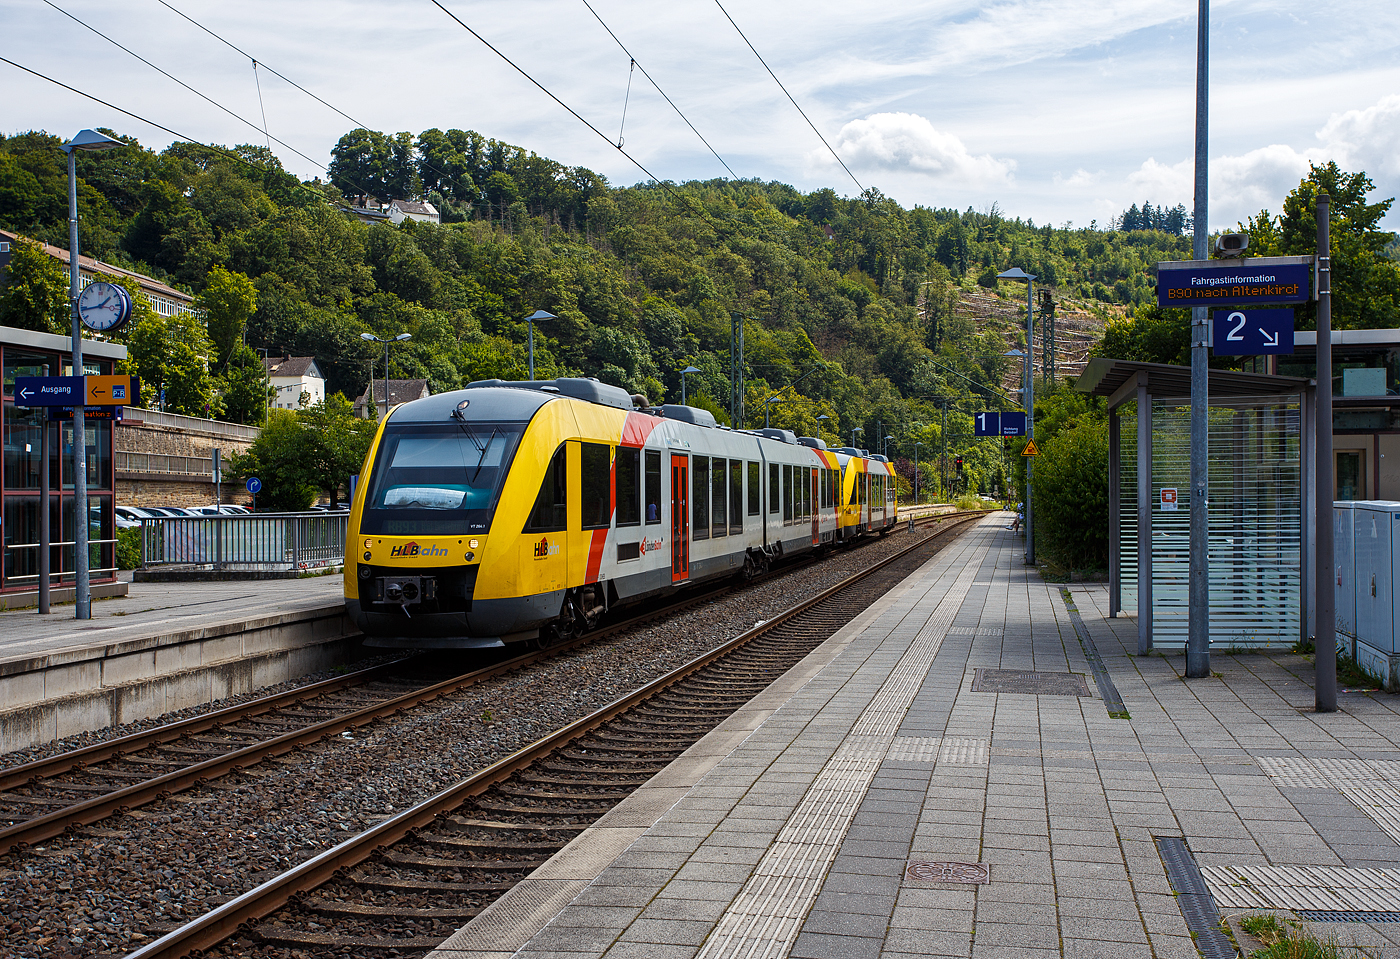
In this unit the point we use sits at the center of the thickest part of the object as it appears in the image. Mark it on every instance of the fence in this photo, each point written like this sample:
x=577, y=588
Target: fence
x=164, y=463
x=271, y=541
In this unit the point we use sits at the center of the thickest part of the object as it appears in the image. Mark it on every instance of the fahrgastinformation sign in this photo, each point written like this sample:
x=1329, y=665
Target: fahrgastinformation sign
x=1245, y=282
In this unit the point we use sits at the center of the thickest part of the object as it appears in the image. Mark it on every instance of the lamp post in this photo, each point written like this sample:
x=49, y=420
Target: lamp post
x=688, y=369
x=371, y=337
x=886, y=448
x=854, y=431
x=819, y=424
x=530, y=320
x=768, y=405
x=95, y=142
x=1020, y=275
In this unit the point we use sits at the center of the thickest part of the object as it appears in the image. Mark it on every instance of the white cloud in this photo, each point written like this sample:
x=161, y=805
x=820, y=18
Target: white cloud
x=909, y=143
x=1367, y=139
x=1078, y=179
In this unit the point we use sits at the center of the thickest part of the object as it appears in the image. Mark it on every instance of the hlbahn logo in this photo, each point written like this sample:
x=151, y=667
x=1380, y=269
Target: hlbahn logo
x=413, y=549
x=545, y=548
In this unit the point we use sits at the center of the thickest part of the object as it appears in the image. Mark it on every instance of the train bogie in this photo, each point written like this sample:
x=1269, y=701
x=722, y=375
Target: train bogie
x=508, y=512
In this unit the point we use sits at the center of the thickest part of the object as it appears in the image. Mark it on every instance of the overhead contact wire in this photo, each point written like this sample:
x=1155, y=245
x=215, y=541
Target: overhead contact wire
x=789, y=96
x=182, y=83
x=653, y=82
x=159, y=126
x=572, y=112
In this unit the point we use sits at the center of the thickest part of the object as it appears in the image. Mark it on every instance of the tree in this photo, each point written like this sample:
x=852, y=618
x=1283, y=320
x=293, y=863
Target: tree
x=281, y=457
x=244, y=386
x=1365, y=280
x=336, y=443
x=34, y=291
x=171, y=355
x=1071, y=495
x=228, y=300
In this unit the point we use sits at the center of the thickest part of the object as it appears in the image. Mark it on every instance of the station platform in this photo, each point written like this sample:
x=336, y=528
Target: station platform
x=161, y=647
x=978, y=767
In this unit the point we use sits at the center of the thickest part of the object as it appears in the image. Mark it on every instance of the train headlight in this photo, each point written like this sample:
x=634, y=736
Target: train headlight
x=473, y=543
x=369, y=543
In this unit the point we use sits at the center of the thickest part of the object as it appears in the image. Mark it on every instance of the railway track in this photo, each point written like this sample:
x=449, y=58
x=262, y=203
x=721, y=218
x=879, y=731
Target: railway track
x=401, y=887
x=54, y=796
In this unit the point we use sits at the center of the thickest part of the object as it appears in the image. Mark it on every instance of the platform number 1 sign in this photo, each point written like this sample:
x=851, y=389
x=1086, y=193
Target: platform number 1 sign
x=1168, y=498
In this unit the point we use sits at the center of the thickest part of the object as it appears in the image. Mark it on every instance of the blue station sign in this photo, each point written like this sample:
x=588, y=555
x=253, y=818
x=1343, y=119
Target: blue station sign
x=993, y=423
x=1251, y=332
x=50, y=390
x=1262, y=279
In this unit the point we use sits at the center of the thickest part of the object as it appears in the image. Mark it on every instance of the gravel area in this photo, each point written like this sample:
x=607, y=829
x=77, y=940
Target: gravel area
x=117, y=885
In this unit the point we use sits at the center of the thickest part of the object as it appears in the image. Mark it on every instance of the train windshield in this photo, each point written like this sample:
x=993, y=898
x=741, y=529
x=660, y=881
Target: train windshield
x=438, y=479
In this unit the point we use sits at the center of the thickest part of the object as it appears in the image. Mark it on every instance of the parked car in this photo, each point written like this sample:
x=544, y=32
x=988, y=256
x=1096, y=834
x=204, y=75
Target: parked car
x=233, y=509
x=130, y=516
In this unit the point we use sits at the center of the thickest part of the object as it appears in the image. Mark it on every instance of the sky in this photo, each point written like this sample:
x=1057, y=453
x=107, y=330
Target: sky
x=1058, y=111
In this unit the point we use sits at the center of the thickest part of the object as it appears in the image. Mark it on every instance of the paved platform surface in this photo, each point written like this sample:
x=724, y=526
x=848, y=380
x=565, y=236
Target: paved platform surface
x=159, y=609
x=797, y=827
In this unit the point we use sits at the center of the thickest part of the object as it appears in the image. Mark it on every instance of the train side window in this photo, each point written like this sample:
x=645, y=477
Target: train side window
x=773, y=488
x=755, y=490
x=700, y=497
x=736, y=496
x=653, y=486
x=628, y=473
x=595, y=468
x=788, y=491
x=718, y=515
x=551, y=512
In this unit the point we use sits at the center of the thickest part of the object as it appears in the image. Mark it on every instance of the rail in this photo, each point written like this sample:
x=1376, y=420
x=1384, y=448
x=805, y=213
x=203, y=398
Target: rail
x=264, y=541
x=246, y=910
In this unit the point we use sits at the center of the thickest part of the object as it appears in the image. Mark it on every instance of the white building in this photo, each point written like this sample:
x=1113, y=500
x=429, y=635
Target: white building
x=400, y=210
x=297, y=380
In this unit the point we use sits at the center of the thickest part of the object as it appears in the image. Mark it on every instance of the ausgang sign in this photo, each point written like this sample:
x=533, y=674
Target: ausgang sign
x=1262, y=279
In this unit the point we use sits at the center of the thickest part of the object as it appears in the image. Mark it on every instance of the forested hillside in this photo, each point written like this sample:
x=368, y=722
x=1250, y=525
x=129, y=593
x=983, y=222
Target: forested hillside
x=643, y=279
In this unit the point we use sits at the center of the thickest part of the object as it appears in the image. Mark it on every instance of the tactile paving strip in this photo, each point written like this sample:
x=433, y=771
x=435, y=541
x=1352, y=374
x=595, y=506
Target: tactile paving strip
x=1372, y=785
x=1021, y=681
x=1333, y=888
x=764, y=919
x=928, y=749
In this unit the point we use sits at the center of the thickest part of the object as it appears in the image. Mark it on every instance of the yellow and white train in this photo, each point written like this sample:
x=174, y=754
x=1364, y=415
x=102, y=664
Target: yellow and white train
x=514, y=511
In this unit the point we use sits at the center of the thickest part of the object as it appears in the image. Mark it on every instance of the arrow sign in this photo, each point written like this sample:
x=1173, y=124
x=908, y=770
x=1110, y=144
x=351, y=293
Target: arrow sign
x=1251, y=332
x=49, y=391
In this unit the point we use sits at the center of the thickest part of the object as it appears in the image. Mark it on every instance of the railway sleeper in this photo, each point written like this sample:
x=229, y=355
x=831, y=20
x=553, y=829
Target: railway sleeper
x=511, y=810
x=525, y=828
x=623, y=779
x=493, y=844
x=585, y=794
x=417, y=861
x=598, y=759
x=296, y=938
x=390, y=884
x=350, y=910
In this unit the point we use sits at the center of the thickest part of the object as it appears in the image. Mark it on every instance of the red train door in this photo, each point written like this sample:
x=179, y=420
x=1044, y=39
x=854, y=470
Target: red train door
x=680, y=518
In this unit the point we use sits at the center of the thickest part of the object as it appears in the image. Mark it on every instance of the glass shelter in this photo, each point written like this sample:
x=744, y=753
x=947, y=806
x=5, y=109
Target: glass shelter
x=1260, y=481
x=27, y=353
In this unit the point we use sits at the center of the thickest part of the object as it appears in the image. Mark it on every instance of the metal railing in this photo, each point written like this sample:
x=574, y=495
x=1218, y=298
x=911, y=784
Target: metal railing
x=163, y=463
x=263, y=541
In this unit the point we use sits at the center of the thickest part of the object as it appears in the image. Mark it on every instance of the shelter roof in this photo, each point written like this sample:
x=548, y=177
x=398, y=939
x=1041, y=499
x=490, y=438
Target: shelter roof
x=1107, y=377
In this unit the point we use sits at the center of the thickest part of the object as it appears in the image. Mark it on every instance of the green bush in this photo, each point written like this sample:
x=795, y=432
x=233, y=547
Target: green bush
x=129, y=548
x=1071, y=496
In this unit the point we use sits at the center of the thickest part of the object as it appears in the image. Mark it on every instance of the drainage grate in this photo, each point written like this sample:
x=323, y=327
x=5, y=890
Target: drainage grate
x=1111, y=698
x=1346, y=915
x=1197, y=906
x=972, y=873
x=1017, y=681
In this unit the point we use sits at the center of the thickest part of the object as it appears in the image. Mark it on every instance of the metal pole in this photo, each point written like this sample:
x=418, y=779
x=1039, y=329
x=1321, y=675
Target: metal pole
x=683, y=402
x=1198, y=634
x=1325, y=640
x=916, y=474
x=1030, y=416
x=386, y=375
x=81, y=591
x=45, y=534
x=530, y=323
x=943, y=453
x=1144, y=517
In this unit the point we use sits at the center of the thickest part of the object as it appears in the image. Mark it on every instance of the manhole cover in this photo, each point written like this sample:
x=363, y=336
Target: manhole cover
x=967, y=872
x=1018, y=681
